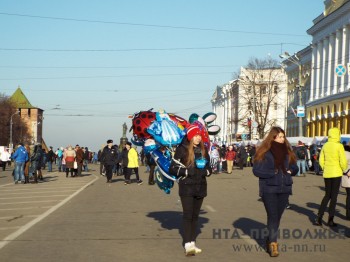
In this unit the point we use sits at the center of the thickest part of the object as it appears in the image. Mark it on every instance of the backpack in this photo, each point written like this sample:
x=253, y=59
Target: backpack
x=301, y=153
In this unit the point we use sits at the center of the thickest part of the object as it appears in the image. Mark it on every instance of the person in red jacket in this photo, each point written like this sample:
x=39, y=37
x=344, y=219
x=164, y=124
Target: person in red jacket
x=230, y=157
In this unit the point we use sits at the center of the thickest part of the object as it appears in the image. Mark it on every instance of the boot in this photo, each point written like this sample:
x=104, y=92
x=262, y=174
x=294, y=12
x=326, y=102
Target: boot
x=318, y=221
x=331, y=222
x=26, y=180
x=273, y=249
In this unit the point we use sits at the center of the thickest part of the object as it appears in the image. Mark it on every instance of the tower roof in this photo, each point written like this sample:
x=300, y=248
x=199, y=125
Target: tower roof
x=20, y=100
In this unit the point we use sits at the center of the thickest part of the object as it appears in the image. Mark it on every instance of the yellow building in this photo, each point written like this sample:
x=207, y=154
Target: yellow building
x=329, y=99
x=298, y=90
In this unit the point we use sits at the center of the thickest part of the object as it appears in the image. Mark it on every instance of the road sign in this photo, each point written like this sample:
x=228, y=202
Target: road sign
x=300, y=111
x=340, y=70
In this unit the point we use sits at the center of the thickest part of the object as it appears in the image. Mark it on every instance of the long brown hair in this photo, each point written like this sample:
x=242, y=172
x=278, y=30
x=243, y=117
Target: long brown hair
x=189, y=159
x=266, y=145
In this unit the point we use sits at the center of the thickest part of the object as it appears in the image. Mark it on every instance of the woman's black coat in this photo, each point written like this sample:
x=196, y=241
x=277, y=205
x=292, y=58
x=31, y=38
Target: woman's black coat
x=192, y=180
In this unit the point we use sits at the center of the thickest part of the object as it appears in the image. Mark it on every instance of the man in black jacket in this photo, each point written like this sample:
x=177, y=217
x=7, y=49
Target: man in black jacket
x=86, y=158
x=108, y=158
x=50, y=159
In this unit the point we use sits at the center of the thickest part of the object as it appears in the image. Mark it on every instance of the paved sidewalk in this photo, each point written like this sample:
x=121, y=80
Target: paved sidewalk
x=114, y=222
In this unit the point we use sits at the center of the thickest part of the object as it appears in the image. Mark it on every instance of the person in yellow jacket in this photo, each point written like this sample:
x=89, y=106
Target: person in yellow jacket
x=333, y=162
x=133, y=164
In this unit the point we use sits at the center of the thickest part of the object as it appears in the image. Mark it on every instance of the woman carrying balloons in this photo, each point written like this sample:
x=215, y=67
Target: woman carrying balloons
x=191, y=164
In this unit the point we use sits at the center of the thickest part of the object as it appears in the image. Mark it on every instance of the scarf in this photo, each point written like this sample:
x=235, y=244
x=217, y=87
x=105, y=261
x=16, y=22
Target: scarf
x=279, y=152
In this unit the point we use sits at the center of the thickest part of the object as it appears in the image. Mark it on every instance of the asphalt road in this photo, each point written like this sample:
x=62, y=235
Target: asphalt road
x=87, y=219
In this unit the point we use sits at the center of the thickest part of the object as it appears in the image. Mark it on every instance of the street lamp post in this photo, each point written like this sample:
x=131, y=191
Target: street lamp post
x=11, y=123
x=300, y=101
x=295, y=60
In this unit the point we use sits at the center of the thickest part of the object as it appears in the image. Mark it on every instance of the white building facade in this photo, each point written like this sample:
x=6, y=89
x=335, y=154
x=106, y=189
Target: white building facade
x=329, y=102
x=249, y=106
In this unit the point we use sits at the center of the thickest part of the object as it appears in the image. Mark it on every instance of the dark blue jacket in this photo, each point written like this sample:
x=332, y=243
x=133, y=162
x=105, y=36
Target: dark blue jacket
x=109, y=156
x=273, y=180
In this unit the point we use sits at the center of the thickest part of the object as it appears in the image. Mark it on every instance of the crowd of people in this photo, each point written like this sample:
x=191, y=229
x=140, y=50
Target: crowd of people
x=274, y=162
x=29, y=162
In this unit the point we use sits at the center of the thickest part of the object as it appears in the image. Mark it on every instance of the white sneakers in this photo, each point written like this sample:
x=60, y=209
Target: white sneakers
x=197, y=250
x=191, y=249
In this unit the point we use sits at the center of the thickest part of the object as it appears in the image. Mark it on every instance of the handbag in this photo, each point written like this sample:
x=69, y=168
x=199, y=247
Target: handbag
x=75, y=165
x=345, y=181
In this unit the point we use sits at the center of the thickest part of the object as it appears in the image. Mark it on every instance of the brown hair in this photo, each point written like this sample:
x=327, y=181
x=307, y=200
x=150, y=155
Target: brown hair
x=189, y=159
x=266, y=145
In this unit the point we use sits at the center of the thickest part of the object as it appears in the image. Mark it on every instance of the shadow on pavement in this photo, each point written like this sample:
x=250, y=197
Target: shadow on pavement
x=116, y=180
x=251, y=228
x=173, y=220
x=305, y=211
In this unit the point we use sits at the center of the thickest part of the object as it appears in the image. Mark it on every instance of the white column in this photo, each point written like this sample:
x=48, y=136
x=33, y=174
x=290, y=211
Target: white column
x=313, y=72
x=324, y=68
x=229, y=112
x=225, y=113
x=318, y=70
x=336, y=61
x=330, y=69
x=347, y=55
x=343, y=54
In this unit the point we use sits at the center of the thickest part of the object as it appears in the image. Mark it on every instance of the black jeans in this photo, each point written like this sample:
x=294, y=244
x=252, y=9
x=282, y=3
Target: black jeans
x=332, y=189
x=274, y=203
x=241, y=162
x=191, y=207
x=109, y=171
x=129, y=171
x=71, y=171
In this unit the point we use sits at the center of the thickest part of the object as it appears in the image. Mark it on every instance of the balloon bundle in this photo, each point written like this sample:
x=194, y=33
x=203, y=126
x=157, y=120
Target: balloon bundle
x=159, y=133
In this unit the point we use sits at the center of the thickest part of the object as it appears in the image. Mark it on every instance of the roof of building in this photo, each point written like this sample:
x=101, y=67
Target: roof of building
x=20, y=100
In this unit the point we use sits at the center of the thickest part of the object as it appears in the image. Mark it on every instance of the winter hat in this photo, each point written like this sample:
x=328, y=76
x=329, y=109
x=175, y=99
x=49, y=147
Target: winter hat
x=109, y=141
x=192, y=131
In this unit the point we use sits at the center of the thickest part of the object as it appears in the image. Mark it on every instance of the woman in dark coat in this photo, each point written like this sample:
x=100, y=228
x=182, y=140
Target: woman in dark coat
x=36, y=162
x=274, y=164
x=26, y=166
x=191, y=164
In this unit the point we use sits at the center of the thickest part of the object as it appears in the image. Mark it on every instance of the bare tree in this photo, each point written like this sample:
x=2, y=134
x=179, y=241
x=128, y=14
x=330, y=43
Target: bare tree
x=20, y=132
x=261, y=99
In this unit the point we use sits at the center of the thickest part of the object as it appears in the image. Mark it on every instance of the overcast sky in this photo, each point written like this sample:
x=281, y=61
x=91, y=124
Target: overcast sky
x=90, y=64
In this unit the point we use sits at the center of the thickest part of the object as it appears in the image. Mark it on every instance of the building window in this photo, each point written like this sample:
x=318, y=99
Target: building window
x=29, y=112
x=275, y=106
x=263, y=90
x=275, y=89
